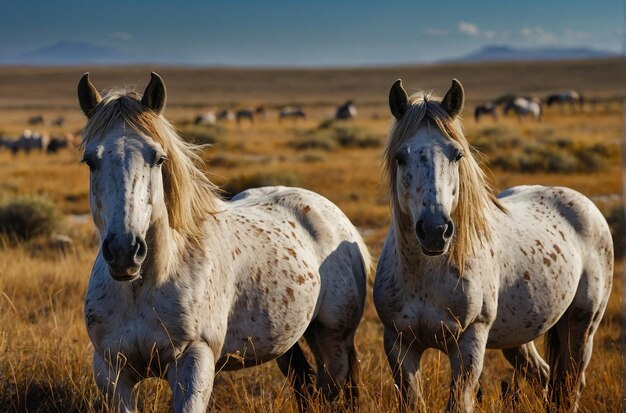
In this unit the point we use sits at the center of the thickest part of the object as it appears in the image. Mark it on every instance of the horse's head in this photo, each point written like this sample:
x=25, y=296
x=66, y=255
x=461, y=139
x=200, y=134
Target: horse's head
x=427, y=165
x=126, y=182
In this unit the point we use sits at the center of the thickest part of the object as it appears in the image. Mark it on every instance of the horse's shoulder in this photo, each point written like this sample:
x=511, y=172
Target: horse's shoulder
x=556, y=193
x=568, y=203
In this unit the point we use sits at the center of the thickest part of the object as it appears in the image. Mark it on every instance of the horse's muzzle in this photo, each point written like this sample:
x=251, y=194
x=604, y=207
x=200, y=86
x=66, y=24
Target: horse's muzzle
x=124, y=255
x=434, y=234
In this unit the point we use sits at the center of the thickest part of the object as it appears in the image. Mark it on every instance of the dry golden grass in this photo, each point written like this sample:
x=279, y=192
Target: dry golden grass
x=45, y=354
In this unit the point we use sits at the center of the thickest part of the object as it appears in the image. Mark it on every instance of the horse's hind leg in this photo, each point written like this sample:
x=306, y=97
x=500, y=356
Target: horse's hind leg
x=294, y=365
x=569, y=346
x=527, y=363
x=337, y=364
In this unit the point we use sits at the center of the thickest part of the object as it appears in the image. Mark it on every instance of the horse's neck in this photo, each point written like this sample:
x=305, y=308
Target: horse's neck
x=408, y=250
x=172, y=253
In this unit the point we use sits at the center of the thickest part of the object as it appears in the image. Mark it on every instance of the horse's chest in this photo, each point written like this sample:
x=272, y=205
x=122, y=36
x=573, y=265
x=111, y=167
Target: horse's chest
x=148, y=335
x=433, y=310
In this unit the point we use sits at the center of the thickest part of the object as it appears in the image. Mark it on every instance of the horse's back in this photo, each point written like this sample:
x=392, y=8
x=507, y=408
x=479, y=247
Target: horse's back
x=342, y=254
x=322, y=219
x=329, y=230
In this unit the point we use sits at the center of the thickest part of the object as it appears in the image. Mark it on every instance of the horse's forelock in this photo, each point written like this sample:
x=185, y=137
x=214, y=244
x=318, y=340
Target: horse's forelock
x=476, y=195
x=189, y=194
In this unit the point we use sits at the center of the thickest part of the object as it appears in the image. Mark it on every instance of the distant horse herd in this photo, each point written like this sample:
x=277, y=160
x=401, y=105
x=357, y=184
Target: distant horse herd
x=30, y=141
x=520, y=106
x=345, y=111
x=186, y=284
x=530, y=106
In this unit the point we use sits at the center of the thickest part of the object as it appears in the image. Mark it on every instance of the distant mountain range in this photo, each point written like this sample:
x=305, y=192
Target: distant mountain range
x=505, y=53
x=65, y=53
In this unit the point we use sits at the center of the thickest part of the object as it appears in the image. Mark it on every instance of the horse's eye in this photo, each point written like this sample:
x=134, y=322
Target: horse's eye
x=90, y=164
x=400, y=159
x=160, y=160
x=458, y=156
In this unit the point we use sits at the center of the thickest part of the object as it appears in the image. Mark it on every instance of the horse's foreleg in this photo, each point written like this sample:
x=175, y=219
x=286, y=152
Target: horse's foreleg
x=466, y=362
x=115, y=381
x=404, y=361
x=191, y=378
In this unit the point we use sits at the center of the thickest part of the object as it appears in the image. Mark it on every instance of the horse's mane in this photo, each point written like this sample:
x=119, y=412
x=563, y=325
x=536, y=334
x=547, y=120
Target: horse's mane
x=189, y=194
x=476, y=194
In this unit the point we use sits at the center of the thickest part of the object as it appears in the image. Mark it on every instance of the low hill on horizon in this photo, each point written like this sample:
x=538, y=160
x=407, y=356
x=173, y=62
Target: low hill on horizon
x=512, y=54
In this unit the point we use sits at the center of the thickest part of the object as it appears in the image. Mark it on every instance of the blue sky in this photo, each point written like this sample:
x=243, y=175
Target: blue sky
x=310, y=33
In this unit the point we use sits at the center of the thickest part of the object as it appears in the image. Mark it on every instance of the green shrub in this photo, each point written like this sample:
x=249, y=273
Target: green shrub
x=243, y=182
x=24, y=218
x=496, y=138
x=330, y=134
x=560, y=155
x=563, y=162
x=314, y=141
x=312, y=157
x=350, y=136
x=201, y=134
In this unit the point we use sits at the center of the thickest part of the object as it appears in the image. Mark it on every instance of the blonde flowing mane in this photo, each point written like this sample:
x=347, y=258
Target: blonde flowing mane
x=476, y=195
x=189, y=194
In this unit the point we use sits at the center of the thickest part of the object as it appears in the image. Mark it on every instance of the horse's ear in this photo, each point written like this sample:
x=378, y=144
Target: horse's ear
x=155, y=94
x=88, y=96
x=452, y=102
x=398, y=99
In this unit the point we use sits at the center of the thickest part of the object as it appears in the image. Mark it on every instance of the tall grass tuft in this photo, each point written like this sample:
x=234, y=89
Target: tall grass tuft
x=27, y=217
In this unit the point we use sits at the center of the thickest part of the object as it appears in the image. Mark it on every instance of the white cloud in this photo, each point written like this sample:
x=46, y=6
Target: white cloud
x=539, y=36
x=468, y=28
x=436, y=32
x=123, y=36
x=575, y=35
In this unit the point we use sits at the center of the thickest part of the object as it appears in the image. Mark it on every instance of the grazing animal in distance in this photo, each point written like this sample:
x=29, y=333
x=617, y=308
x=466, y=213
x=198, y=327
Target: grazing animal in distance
x=247, y=113
x=261, y=112
x=488, y=108
x=346, y=111
x=37, y=120
x=568, y=97
x=207, y=118
x=29, y=141
x=463, y=270
x=523, y=106
x=226, y=115
x=186, y=284
x=291, y=112
x=60, y=121
x=56, y=143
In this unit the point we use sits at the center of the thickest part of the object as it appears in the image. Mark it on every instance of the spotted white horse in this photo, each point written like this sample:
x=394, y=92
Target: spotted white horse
x=186, y=284
x=523, y=106
x=462, y=270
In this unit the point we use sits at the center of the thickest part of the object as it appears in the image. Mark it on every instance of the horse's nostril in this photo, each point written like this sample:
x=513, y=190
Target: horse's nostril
x=419, y=230
x=106, y=251
x=141, y=249
x=449, y=230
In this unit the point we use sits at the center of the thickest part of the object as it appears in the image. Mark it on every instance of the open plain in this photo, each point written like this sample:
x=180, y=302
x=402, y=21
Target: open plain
x=45, y=353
